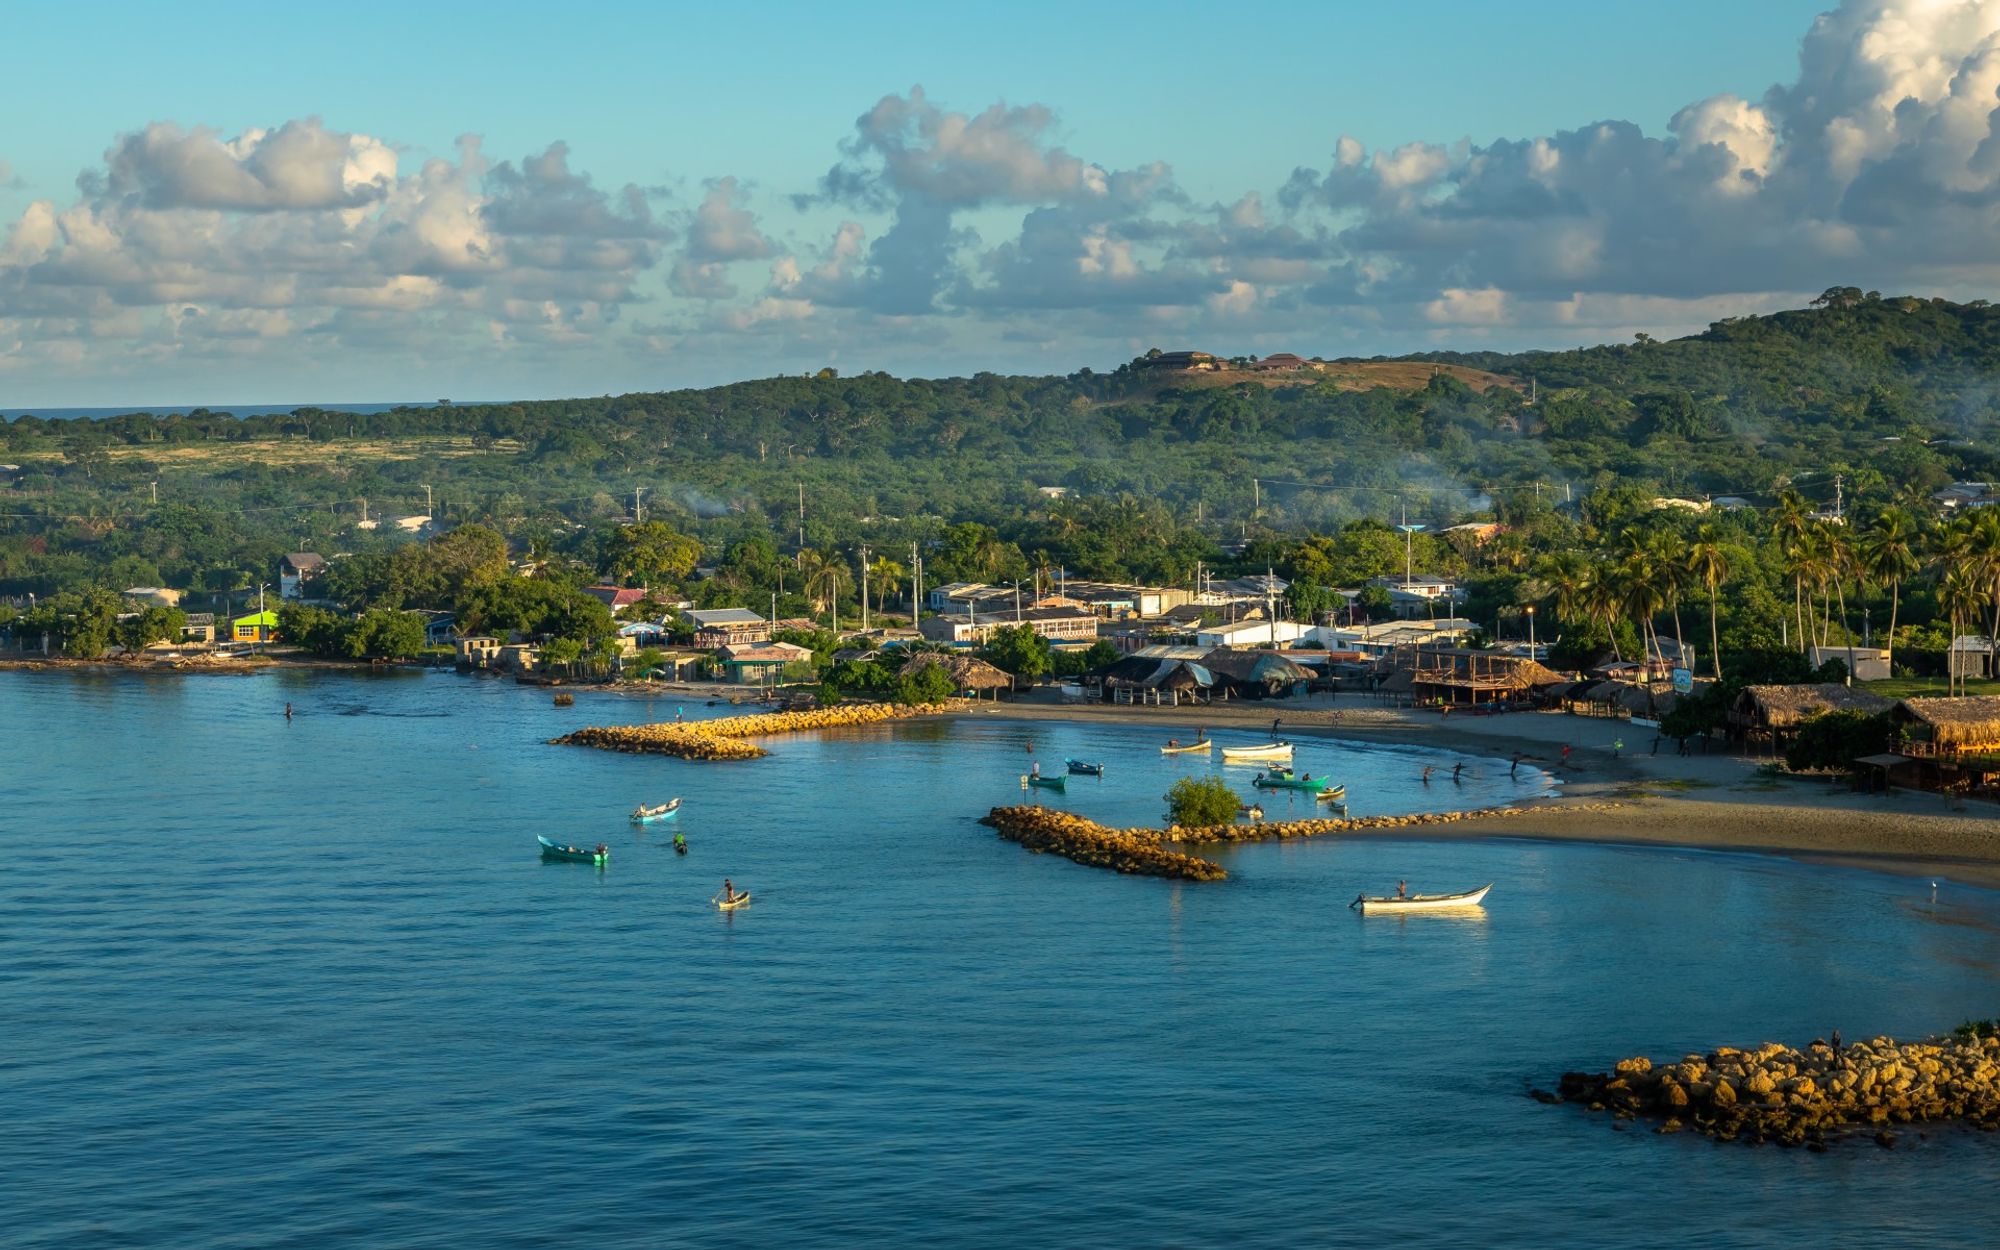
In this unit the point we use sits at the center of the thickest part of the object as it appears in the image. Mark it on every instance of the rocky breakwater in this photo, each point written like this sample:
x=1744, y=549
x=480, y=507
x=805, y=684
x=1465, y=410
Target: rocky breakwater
x=1087, y=842
x=1805, y=1097
x=722, y=739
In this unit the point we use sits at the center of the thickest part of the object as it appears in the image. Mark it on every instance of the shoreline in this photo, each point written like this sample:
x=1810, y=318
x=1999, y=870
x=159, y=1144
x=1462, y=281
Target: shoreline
x=1715, y=802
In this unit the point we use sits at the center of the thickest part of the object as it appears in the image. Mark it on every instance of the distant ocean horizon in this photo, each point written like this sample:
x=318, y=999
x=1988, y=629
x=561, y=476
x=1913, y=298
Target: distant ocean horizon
x=234, y=410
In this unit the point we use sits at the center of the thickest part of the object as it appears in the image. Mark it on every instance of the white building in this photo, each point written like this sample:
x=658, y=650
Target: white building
x=1379, y=638
x=1249, y=634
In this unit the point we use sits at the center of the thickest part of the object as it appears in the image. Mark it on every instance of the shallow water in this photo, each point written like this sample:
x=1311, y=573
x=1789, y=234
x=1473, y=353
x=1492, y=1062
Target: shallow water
x=309, y=984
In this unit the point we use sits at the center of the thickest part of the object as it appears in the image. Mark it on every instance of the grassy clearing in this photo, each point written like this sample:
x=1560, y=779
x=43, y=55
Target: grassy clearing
x=1365, y=375
x=1927, y=687
x=294, y=452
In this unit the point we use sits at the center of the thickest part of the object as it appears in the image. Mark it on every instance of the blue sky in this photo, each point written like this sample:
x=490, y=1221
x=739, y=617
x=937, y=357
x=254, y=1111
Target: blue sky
x=1029, y=186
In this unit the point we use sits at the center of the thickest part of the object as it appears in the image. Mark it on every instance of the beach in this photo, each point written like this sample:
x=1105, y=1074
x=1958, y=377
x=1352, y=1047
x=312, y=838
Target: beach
x=1719, y=800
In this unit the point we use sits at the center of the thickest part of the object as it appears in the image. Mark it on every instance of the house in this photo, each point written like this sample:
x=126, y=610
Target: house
x=762, y=663
x=1382, y=638
x=1052, y=492
x=1964, y=495
x=1054, y=624
x=517, y=657
x=1183, y=362
x=1730, y=503
x=1420, y=594
x=683, y=665
x=1117, y=600
x=199, y=628
x=1479, y=532
x=296, y=570
x=1462, y=675
x=1154, y=679
x=1863, y=663
x=1971, y=656
x=1283, y=362
x=440, y=628
x=1249, y=634
x=477, y=651
x=411, y=524
x=158, y=596
x=727, y=627
x=615, y=597
x=1255, y=674
x=256, y=627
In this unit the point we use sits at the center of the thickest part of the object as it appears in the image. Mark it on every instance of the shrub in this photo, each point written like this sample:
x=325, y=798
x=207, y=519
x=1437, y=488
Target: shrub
x=1201, y=801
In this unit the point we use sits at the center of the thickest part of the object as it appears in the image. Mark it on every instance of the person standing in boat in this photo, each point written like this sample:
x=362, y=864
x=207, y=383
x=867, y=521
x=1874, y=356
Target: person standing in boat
x=728, y=891
x=288, y=711
x=1402, y=889
x=1037, y=769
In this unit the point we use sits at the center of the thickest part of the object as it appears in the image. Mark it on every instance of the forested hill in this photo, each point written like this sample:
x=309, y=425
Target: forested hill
x=1887, y=394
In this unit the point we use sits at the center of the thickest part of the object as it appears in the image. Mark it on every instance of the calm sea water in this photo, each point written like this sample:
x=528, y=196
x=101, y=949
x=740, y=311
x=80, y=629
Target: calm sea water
x=309, y=984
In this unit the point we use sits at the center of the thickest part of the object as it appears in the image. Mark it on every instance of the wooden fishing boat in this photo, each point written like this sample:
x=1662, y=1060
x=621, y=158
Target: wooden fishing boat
x=741, y=900
x=574, y=854
x=1333, y=794
x=642, y=814
x=1372, y=905
x=1085, y=769
x=1286, y=781
x=1058, y=782
x=1251, y=810
x=1189, y=749
x=1279, y=750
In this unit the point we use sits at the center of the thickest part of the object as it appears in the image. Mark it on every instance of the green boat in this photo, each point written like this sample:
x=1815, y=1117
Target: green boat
x=1058, y=782
x=574, y=854
x=1286, y=781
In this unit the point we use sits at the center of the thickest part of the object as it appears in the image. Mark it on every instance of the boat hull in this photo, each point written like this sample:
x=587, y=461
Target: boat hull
x=1049, y=783
x=1082, y=769
x=1269, y=751
x=741, y=900
x=1187, y=750
x=1288, y=783
x=571, y=854
x=1424, y=902
x=1333, y=794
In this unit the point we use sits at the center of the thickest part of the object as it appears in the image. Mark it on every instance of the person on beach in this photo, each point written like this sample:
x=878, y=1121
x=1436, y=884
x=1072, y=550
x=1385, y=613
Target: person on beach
x=1617, y=747
x=1274, y=726
x=1514, y=769
x=677, y=716
x=1565, y=752
x=1428, y=769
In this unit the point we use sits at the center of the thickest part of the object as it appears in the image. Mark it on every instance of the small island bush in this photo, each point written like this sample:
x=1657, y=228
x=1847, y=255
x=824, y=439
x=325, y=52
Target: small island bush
x=1201, y=801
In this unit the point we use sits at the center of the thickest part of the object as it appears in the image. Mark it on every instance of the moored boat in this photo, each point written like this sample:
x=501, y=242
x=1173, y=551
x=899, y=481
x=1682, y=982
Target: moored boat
x=731, y=904
x=642, y=814
x=1058, y=782
x=1280, y=750
x=1251, y=810
x=574, y=854
x=1286, y=781
x=1085, y=769
x=1333, y=794
x=1371, y=905
x=1189, y=749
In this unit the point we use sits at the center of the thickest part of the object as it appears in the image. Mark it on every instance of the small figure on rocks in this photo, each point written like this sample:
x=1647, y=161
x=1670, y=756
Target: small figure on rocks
x=1835, y=1041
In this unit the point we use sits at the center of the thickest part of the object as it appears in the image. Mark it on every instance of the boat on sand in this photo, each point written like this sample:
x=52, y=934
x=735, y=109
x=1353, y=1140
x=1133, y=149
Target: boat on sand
x=1371, y=905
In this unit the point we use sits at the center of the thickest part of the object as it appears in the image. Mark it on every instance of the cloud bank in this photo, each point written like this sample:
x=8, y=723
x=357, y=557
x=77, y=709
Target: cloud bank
x=956, y=236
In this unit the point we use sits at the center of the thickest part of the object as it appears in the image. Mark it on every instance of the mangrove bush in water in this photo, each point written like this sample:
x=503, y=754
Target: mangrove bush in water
x=1199, y=801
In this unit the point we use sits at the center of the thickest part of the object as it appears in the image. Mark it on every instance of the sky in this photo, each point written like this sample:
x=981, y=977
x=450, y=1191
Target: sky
x=227, y=203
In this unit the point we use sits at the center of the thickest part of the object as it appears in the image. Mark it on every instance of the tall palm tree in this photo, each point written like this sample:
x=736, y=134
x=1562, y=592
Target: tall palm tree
x=1562, y=577
x=1887, y=552
x=1708, y=561
x=1601, y=597
x=886, y=574
x=1668, y=555
x=1962, y=596
x=1791, y=523
x=819, y=577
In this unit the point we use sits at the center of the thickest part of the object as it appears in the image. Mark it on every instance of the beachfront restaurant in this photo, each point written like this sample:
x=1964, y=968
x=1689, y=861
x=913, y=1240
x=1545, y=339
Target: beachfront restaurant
x=1773, y=714
x=1950, y=744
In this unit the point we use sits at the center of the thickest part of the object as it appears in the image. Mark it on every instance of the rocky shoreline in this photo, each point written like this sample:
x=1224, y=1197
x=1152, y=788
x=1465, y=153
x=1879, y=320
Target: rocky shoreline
x=1807, y=1097
x=722, y=739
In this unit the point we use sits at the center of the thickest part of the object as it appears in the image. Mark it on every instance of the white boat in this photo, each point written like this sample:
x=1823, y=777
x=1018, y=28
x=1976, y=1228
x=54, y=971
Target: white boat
x=642, y=813
x=1371, y=905
x=1189, y=749
x=1279, y=750
x=1332, y=794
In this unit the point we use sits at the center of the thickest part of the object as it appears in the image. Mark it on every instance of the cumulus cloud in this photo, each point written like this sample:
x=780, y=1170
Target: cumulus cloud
x=721, y=231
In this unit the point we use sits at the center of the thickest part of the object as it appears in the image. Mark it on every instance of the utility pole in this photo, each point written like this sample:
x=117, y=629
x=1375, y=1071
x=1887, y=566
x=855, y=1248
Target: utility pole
x=864, y=588
x=916, y=585
x=428, y=512
x=638, y=512
x=802, y=516
x=154, y=486
x=1256, y=498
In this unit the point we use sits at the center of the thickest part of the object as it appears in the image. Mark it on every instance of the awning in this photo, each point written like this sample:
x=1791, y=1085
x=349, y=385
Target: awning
x=1884, y=761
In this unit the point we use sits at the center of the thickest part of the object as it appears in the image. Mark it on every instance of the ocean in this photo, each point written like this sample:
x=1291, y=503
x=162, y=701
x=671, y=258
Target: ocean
x=309, y=984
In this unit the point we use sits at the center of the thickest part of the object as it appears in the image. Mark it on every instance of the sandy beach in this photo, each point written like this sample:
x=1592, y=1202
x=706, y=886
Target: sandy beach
x=1719, y=800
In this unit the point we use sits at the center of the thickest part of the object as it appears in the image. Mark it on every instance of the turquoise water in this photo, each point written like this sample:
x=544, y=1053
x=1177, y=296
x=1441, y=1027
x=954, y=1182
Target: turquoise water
x=308, y=984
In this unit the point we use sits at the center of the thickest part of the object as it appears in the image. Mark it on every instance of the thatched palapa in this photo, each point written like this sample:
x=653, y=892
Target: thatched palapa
x=1950, y=726
x=1779, y=709
x=968, y=673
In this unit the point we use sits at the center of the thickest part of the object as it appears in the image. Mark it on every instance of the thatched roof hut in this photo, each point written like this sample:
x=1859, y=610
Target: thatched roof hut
x=1950, y=726
x=969, y=673
x=1148, y=672
x=1255, y=673
x=1778, y=709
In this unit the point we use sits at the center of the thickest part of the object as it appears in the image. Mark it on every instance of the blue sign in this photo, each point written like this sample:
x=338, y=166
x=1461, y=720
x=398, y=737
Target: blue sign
x=1683, y=681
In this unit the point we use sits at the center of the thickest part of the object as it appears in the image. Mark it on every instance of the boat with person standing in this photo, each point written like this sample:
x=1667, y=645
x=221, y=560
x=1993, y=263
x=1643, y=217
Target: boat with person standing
x=1058, y=782
x=1178, y=748
x=644, y=815
x=1285, y=780
x=1377, y=904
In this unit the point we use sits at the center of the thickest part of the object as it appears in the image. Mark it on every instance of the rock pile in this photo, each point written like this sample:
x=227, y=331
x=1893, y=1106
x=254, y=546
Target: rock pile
x=1802, y=1097
x=719, y=739
x=1087, y=842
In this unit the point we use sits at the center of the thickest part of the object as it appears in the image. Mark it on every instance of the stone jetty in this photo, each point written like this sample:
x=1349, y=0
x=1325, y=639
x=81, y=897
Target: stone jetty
x=722, y=739
x=1048, y=829
x=1087, y=842
x=1802, y=1097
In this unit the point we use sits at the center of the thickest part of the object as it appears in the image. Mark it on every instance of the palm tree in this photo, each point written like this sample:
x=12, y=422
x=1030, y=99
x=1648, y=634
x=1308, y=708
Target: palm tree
x=1961, y=594
x=1600, y=595
x=1888, y=554
x=1791, y=523
x=819, y=577
x=1708, y=561
x=886, y=573
x=1668, y=556
x=1563, y=577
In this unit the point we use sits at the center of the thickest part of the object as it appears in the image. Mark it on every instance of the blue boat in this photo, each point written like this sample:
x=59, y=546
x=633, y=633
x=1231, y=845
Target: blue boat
x=599, y=854
x=1049, y=783
x=646, y=815
x=1085, y=769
